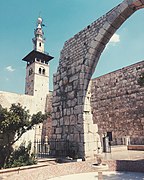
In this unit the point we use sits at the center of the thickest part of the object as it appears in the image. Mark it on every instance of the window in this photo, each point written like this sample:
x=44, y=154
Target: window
x=40, y=44
x=39, y=70
x=30, y=71
x=43, y=71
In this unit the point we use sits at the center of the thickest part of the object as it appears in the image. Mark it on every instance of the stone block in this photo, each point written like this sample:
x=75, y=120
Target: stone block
x=102, y=31
x=66, y=120
x=58, y=77
x=61, y=122
x=65, y=80
x=58, y=136
x=73, y=119
x=91, y=50
x=65, y=112
x=57, y=115
x=71, y=129
x=119, y=22
x=73, y=78
x=75, y=84
x=80, y=118
x=58, y=130
x=54, y=123
x=81, y=137
x=106, y=25
x=69, y=88
x=86, y=128
x=135, y=3
x=68, y=111
x=65, y=129
x=99, y=37
x=76, y=138
x=71, y=95
x=53, y=115
x=79, y=128
x=72, y=111
x=78, y=109
x=70, y=137
x=95, y=128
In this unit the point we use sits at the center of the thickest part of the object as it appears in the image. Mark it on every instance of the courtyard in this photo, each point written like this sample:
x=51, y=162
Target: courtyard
x=120, y=162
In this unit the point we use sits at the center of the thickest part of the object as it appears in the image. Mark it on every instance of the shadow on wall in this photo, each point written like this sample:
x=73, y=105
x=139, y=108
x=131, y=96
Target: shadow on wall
x=130, y=165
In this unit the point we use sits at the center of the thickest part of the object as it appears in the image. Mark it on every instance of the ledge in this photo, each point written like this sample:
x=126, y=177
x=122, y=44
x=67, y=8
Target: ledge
x=22, y=168
x=136, y=147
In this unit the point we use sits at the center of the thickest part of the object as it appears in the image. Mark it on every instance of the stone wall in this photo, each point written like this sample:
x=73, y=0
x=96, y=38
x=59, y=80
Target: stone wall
x=47, y=124
x=34, y=105
x=7, y=98
x=118, y=104
x=78, y=61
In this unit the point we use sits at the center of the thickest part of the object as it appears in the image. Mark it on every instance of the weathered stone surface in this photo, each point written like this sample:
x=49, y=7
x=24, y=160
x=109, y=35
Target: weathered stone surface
x=73, y=119
x=78, y=60
x=58, y=130
x=54, y=123
x=117, y=104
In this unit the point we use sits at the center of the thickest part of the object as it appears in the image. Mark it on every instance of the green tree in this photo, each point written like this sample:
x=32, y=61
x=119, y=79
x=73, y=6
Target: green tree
x=13, y=124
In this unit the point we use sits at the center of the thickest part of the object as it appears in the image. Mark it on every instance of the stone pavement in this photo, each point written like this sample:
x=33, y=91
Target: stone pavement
x=53, y=170
x=106, y=176
x=121, y=153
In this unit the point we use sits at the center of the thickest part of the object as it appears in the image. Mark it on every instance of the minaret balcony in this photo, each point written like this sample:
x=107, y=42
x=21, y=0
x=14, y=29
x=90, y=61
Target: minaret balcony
x=33, y=55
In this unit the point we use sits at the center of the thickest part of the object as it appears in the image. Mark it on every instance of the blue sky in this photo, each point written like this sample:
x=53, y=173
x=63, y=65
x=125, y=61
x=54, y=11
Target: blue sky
x=63, y=19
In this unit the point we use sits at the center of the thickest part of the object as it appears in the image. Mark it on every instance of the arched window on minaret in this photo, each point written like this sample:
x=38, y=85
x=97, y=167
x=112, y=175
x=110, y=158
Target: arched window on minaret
x=30, y=71
x=40, y=70
x=43, y=71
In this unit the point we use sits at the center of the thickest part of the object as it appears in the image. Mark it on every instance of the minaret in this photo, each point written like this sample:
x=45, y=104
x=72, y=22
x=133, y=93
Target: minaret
x=37, y=70
x=39, y=39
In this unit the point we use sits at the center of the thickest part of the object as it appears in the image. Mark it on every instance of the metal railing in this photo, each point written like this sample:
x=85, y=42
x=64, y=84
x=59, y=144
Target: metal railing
x=44, y=149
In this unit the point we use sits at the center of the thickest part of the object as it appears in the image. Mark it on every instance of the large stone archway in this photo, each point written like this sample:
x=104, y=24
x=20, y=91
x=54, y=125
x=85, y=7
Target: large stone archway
x=72, y=118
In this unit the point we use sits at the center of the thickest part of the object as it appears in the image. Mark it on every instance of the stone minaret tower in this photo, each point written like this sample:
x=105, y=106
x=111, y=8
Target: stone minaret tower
x=37, y=74
x=37, y=70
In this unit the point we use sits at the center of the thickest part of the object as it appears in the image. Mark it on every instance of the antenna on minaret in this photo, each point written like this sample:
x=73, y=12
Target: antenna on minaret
x=40, y=14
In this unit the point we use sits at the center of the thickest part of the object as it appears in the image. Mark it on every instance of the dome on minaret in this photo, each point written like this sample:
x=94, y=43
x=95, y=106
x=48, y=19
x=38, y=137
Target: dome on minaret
x=39, y=20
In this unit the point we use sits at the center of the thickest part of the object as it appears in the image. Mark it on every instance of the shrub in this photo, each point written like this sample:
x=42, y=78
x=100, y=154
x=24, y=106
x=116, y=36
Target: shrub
x=21, y=157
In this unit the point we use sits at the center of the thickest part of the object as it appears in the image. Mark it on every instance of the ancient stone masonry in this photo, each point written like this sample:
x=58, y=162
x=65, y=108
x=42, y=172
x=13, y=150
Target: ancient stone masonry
x=78, y=60
x=47, y=124
x=118, y=104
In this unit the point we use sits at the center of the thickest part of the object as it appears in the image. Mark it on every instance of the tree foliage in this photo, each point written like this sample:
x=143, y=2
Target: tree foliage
x=13, y=124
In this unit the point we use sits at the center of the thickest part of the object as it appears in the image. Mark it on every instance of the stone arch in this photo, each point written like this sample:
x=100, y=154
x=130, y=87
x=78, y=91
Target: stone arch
x=71, y=94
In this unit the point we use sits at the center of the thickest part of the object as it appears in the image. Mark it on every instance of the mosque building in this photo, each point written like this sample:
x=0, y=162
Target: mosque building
x=37, y=95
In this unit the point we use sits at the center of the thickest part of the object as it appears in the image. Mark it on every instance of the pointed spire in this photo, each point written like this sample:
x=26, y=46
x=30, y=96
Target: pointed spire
x=39, y=39
x=39, y=30
x=39, y=23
